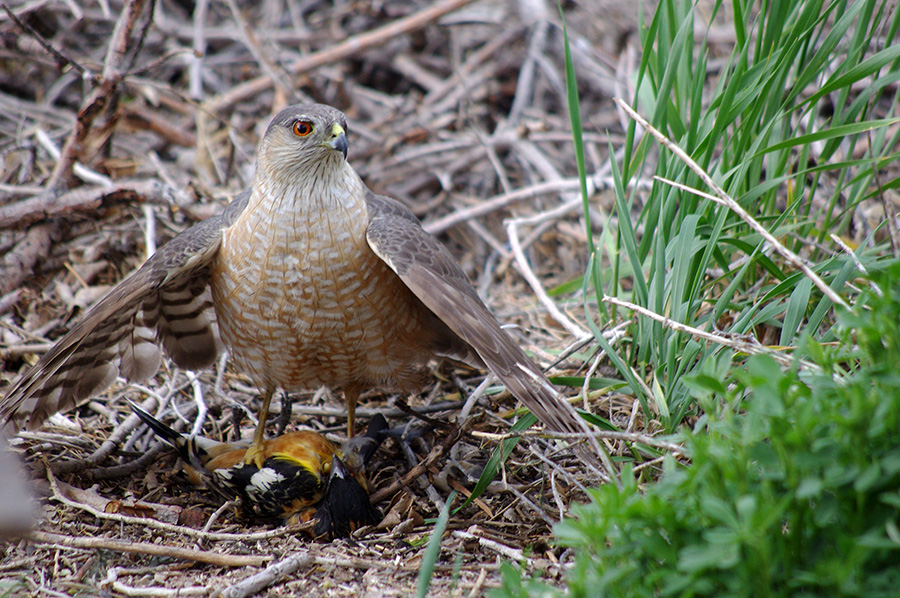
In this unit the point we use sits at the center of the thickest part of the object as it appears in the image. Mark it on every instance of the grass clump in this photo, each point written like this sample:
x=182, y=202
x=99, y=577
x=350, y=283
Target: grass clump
x=793, y=485
x=798, y=125
x=789, y=484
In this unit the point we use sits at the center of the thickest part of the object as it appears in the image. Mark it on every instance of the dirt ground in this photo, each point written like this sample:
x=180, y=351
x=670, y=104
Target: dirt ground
x=456, y=108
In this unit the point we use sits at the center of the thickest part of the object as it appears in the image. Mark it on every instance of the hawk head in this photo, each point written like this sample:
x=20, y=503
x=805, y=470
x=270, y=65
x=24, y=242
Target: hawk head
x=304, y=137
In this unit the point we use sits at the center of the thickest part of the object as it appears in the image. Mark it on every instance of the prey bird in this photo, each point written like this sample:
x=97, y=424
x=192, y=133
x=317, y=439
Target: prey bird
x=303, y=476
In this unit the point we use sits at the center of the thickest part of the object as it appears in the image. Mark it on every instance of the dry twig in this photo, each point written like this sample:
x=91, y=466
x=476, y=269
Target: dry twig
x=160, y=550
x=345, y=49
x=274, y=573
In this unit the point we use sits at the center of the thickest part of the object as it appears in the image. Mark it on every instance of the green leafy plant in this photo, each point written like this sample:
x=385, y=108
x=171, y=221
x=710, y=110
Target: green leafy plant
x=789, y=483
x=793, y=485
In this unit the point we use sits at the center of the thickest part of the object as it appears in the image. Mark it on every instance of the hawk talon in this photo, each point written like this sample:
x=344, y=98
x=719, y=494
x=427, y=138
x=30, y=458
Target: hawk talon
x=284, y=418
x=255, y=455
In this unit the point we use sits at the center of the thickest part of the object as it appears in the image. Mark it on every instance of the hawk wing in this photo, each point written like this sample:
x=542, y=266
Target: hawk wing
x=166, y=302
x=433, y=275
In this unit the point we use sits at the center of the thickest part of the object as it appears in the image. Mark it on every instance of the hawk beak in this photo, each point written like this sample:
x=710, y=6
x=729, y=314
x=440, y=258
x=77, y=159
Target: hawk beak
x=339, y=140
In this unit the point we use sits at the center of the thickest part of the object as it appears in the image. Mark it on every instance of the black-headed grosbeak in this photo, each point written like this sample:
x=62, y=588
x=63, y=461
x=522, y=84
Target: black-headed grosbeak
x=346, y=506
x=303, y=475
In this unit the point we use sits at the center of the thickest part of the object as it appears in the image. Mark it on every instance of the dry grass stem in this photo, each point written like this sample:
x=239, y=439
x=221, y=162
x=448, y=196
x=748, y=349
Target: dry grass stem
x=724, y=199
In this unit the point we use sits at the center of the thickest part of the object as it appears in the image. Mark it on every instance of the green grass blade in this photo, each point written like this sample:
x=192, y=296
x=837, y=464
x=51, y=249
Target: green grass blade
x=498, y=458
x=577, y=135
x=433, y=550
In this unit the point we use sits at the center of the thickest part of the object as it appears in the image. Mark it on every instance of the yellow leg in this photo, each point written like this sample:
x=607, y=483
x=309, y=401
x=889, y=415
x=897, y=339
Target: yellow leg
x=256, y=452
x=351, y=396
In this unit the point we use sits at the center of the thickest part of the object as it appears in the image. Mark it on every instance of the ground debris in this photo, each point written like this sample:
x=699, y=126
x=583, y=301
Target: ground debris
x=454, y=108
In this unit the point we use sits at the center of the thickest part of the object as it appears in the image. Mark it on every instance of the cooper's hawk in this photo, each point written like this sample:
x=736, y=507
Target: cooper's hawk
x=308, y=278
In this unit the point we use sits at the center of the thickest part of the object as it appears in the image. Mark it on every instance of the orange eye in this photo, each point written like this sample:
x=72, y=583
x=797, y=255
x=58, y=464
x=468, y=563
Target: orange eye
x=302, y=128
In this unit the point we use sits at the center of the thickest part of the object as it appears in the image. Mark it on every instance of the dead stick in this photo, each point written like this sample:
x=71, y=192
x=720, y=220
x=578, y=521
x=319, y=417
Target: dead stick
x=100, y=98
x=188, y=554
x=271, y=575
x=18, y=263
x=45, y=205
x=347, y=48
x=61, y=58
x=435, y=455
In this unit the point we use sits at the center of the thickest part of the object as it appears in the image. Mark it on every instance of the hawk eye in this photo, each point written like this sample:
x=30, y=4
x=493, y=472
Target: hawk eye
x=302, y=128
